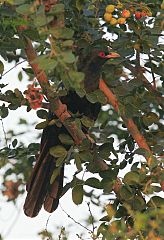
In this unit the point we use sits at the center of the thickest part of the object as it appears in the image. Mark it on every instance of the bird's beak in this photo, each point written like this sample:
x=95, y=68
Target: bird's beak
x=112, y=55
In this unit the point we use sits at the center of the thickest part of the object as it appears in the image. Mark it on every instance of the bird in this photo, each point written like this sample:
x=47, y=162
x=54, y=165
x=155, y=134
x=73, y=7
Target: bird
x=40, y=190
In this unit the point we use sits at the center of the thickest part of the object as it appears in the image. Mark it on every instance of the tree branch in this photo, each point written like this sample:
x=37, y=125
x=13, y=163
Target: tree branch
x=131, y=126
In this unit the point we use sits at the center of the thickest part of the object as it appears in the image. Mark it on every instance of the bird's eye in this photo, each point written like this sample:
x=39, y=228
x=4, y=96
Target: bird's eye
x=101, y=54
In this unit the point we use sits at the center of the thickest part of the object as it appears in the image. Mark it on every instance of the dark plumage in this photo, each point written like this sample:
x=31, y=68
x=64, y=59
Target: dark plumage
x=39, y=190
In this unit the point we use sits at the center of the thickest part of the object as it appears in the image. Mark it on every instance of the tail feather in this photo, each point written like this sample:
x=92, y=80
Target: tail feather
x=52, y=199
x=39, y=189
x=39, y=161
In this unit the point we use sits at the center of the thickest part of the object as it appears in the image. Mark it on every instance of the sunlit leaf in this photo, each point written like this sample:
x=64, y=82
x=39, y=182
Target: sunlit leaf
x=1, y=67
x=93, y=182
x=132, y=178
x=58, y=151
x=66, y=139
x=77, y=194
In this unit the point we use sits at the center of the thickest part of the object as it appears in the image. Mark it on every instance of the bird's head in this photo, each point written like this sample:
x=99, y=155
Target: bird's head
x=99, y=57
x=92, y=68
x=108, y=55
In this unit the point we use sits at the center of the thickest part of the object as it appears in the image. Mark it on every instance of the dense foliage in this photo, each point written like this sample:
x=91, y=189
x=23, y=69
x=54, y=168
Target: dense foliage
x=63, y=31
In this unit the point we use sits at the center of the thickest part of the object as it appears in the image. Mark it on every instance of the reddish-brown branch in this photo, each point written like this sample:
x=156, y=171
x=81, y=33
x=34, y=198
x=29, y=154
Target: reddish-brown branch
x=57, y=107
x=131, y=126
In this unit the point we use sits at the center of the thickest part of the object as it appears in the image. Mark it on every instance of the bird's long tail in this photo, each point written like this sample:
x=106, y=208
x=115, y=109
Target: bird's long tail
x=39, y=189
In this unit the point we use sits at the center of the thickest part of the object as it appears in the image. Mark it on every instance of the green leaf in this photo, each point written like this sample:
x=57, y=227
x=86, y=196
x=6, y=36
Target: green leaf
x=87, y=122
x=152, y=161
x=101, y=97
x=18, y=2
x=93, y=182
x=18, y=93
x=110, y=174
x=66, y=139
x=68, y=57
x=85, y=145
x=132, y=178
x=40, y=20
x=105, y=150
x=20, y=76
x=57, y=8
x=81, y=92
x=58, y=151
x=93, y=168
x=33, y=147
x=3, y=85
x=80, y=4
x=62, y=33
x=77, y=194
x=13, y=106
x=1, y=67
x=75, y=78
x=150, y=118
x=22, y=121
x=121, y=212
x=126, y=193
x=107, y=185
x=102, y=229
x=67, y=43
x=123, y=164
x=137, y=203
x=156, y=189
x=77, y=161
x=86, y=156
x=25, y=9
x=140, y=222
x=46, y=63
x=54, y=175
x=14, y=142
x=41, y=125
x=43, y=114
x=3, y=111
x=142, y=151
x=156, y=202
x=92, y=97
x=60, y=161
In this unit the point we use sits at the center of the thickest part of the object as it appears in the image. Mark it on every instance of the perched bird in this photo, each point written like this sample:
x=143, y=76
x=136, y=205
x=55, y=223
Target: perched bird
x=39, y=189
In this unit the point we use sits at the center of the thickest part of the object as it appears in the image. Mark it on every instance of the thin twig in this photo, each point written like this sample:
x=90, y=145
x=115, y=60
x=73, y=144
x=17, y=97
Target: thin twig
x=13, y=67
x=75, y=220
x=92, y=218
x=3, y=128
x=49, y=238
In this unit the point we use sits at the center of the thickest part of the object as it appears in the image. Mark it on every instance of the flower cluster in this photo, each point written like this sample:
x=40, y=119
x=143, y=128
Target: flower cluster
x=34, y=96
